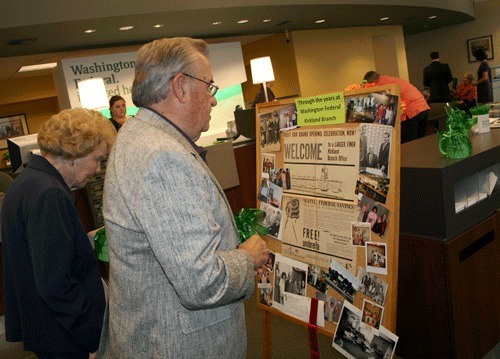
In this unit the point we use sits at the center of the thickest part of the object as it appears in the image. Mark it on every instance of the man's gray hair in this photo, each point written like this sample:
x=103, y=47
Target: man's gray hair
x=160, y=60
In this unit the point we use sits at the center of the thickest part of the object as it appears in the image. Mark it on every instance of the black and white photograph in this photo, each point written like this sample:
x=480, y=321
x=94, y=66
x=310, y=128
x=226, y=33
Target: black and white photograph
x=289, y=277
x=375, y=149
x=361, y=233
x=376, y=258
x=271, y=220
x=342, y=281
x=380, y=108
x=358, y=341
x=372, y=286
x=269, y=131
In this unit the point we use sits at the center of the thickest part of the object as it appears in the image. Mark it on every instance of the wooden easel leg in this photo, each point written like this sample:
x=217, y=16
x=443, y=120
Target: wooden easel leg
x=267, y=350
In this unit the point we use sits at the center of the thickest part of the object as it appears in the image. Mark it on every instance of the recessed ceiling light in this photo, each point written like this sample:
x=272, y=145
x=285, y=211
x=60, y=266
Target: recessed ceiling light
x=320, y=21
x=158, y=26
x=432, y=17
x=124, y=28
x=384, y=18
x=266, y=20
x=242, y=21
x=89, y=31
x=217, y=23
x=49, y=65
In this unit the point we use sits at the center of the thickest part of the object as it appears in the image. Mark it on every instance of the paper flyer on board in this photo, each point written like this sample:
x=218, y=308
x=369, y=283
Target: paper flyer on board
x=316, y=230
x=322, y=162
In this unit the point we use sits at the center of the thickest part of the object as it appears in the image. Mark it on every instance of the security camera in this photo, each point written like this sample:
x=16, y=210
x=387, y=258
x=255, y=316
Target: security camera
x=287, y=37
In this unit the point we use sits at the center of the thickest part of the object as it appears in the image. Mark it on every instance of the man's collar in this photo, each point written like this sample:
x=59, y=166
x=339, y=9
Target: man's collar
x=200, y=150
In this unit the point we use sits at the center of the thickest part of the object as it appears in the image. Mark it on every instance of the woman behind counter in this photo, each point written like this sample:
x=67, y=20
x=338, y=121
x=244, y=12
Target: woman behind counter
x=465, y=94
x=118, y=110
x=54, y=297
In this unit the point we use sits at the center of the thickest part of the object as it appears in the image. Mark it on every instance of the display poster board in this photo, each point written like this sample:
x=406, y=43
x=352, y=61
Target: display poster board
x=328, y=177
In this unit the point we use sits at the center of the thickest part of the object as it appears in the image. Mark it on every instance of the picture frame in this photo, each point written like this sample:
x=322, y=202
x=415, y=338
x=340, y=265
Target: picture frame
x=485, y=42
x=12, y=126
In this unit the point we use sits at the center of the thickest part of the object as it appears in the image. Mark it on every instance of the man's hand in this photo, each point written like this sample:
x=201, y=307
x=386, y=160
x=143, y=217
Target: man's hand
x=257, y=249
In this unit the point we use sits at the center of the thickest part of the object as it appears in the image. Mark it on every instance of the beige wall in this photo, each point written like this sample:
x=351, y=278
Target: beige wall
x=36, y=111
x=330, y=60
x=451, y=42
x=283, y=60
x=321, y=61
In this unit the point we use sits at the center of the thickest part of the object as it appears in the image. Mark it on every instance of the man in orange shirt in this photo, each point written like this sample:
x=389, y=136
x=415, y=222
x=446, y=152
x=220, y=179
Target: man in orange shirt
x=414, y=120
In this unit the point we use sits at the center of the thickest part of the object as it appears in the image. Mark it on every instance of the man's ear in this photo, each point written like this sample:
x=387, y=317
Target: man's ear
x=179, y=87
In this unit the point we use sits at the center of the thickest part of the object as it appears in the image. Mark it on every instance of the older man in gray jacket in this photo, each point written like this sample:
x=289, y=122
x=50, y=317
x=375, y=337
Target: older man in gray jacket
x=177, y=276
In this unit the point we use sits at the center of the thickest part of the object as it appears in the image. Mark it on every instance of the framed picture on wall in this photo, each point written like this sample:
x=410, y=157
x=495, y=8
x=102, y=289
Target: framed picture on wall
x=12, y=126
x=484, y=42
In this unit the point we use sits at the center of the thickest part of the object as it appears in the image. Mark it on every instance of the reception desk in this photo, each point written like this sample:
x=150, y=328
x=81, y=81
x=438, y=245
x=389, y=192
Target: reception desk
x=449, y=278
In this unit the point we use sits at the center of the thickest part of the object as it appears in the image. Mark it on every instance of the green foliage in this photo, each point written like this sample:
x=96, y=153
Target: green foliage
x=480, y=110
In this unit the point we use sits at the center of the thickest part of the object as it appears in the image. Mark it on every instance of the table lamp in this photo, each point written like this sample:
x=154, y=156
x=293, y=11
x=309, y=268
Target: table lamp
x=262, y=72
x=93, y=94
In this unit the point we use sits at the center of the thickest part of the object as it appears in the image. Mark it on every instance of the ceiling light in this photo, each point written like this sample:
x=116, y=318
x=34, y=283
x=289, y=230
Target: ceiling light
x=89, y=31
x=242, y=21
x=124, y=28
x=158, y=26
x=320, y=21
x=432, y=17
x=217, y=23
x=38, y=67
x=384, y=18
x=266, y=20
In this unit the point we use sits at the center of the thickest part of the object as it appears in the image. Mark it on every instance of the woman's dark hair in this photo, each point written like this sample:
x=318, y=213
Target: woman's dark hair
x=113, y=99
x=480, y=54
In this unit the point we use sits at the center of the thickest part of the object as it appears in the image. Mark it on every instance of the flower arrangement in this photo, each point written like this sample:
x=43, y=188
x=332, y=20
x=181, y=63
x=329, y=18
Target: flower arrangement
x=454, y=141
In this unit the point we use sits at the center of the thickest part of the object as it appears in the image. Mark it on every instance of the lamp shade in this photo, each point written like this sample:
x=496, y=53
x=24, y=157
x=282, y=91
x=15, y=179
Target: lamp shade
x=93, y=94
x=262, y=70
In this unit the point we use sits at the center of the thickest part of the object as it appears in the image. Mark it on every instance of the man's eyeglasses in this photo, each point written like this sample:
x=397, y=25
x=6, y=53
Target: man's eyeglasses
x=212, y=89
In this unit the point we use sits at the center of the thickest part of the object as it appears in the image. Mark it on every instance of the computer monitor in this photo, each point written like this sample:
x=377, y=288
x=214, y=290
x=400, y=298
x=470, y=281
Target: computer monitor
x=20, y=149
x=245, y=122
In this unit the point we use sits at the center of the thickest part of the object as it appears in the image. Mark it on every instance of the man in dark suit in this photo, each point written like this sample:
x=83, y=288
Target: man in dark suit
x=383, y=155
x=437, y=77
x=371, y=158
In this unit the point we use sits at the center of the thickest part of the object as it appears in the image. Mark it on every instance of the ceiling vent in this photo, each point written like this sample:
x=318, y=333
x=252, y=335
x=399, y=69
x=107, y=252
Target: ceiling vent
x=16, y=42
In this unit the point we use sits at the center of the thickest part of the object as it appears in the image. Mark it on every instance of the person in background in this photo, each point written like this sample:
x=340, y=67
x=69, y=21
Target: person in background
x=54, y=296
x=484, y=84
x=118, y=111
x=466, y=94
x=416, y=117
x=437, y=78
x=261, y=96
x=178, y=277
x=383, y=155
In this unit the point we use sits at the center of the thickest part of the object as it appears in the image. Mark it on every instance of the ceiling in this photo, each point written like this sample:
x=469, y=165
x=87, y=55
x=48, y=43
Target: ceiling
x=47, y=31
